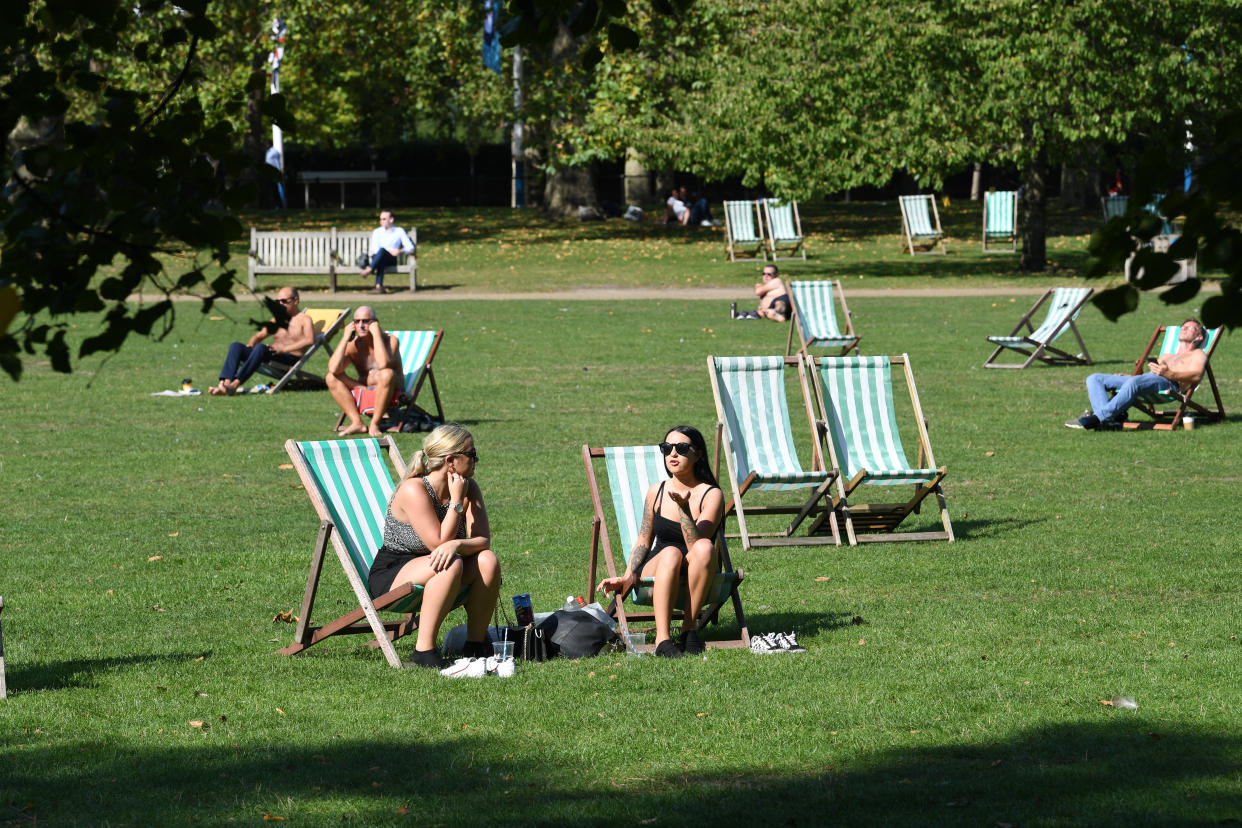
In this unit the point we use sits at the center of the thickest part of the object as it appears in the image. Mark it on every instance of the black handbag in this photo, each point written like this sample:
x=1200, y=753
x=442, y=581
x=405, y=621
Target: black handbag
x=529, y=642
x=363, y=261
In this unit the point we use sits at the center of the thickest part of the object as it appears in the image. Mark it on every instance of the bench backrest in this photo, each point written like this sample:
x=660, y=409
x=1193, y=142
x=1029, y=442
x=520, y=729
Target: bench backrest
x=271, y=249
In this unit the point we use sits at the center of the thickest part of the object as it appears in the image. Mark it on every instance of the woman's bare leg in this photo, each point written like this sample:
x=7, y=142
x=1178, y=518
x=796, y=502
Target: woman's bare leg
x=699, y=568
x=482, y=573
x=439, y=590
x=666, y=569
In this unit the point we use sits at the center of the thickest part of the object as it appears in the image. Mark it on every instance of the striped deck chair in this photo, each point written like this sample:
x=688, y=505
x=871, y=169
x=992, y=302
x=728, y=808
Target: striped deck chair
x=1157, y=406
x=1115, y=206
x=752, y=423
x=418, y=349
x=855, y=396
x=631, y=471
x=920, y=224
x=1000, y=219
x=349, y=486
x=784, y=230
x=742, y=229
x=327, y=322
x=1063, y=306
x=814, y=314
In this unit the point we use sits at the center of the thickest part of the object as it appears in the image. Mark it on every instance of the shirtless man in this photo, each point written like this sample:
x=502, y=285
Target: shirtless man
x=1177, y=372
x=377, y=359
x=773, y=298
x=287, y=346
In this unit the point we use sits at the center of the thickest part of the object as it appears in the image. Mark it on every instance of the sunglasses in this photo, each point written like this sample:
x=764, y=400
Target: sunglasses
x=682, y=449
x=472, y=454
x=288, y=301
x=363, y=321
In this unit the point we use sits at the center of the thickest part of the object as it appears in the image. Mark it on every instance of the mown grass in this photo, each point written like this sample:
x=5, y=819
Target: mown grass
x=149, y=542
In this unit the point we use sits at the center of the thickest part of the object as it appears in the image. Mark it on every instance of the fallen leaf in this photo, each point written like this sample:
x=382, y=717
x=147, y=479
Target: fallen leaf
x=699, y=715
x=289, y=466
x=862, y=641
x=155, y=558
x=173, y=534
x=198, y=724
x=403, y=810
x=281, y=712
x=216, y=318
x=1106, y=702
x=824, y=578
x=273, y=818
x=286, y=617
x=989, y=454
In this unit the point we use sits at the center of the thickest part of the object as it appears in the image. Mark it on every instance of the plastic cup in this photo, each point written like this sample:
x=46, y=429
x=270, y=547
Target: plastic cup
x=503, y=650
x=1188, y=423
x=633, y=642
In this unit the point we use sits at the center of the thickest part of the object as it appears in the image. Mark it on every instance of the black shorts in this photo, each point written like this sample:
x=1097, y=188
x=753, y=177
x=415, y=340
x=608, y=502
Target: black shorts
x=780, y=306
x=385, y=567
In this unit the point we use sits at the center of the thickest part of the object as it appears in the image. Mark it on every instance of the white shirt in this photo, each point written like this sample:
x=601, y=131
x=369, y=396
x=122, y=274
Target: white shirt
x=394, y=236
x=677, y=204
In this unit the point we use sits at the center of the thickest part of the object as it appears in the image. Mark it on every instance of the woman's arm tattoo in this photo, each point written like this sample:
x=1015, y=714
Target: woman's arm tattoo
x=689, y=529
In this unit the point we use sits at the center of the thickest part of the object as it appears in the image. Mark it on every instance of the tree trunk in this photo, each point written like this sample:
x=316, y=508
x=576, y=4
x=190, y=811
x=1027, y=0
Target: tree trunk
x=637, y=189
x=254, y=142
x=566, y=188
x=1034, y=215
x=976, y=182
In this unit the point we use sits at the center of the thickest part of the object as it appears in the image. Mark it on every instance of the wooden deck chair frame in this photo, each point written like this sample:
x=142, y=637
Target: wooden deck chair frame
x=784, y=230
x=813, y=315
x=424, y=342
x=1155, y=406
x=617, y=460
x=1036, y=344
x=325, y=329
x=878, y=522
x=741, y=217
x=774, y=448
x=917, y=228
x=1000, y=220
x=405, y=598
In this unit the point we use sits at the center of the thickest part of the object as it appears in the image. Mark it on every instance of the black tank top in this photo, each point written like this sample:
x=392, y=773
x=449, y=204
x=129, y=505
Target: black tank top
x=667, y=532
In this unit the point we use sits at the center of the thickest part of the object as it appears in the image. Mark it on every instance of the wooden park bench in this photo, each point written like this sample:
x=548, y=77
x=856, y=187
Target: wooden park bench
x=318, y=251
x=341, y=177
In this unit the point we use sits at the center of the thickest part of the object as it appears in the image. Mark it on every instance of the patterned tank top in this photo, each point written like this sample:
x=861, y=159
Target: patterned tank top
x=400, y=536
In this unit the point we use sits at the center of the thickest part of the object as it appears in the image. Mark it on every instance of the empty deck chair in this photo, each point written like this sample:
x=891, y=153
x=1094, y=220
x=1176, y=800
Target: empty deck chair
x=814, y=315
x=1000, y=219
x=1167, y=411
x=630, y=472
x=920, y=224
x=1062, y=308
x=752, y=424
x=349, y=485
x=743, y=229
x=855, y=397
x=327, y=322
x=784, y=230
x=1115, y=206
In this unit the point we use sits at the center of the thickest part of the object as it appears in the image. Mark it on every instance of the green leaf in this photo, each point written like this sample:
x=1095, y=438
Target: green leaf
x=1116, y=302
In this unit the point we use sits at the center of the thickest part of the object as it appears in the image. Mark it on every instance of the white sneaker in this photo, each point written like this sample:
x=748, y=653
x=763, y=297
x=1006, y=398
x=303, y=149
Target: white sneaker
x=763, y=644
x=466, y=668
x=500, y=669
x=789, y=642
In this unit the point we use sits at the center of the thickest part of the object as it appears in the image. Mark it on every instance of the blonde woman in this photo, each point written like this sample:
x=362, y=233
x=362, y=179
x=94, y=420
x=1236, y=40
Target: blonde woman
x=436, y=534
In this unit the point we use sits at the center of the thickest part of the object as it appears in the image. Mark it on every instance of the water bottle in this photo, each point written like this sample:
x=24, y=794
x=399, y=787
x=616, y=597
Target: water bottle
x=571, y=603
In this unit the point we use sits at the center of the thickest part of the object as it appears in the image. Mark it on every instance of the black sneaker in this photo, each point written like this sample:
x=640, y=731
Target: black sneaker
x=428, y=658
x=667, y=649
x=1087, y=422
x=690, y=642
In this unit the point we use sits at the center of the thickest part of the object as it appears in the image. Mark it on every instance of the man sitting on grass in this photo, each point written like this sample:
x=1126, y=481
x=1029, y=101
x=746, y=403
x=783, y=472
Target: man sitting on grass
x=287, y=346
x=1175, y=373
x=376, y=357
x=773, y=298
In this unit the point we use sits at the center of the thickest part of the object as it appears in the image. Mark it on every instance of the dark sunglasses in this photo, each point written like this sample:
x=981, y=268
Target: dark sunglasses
x=363, y=321
x=286, y=301
x=682, y=449
x=472, y=454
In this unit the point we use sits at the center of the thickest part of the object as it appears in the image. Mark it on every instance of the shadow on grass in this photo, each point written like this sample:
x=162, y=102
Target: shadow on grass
x=1115, y=772
x=81, y=672
x=995, y=527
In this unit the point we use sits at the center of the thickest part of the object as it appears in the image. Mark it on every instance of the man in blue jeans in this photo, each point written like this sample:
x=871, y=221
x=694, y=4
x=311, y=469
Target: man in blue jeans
x=1176, y=373
x=387, y=243
x=287, y=346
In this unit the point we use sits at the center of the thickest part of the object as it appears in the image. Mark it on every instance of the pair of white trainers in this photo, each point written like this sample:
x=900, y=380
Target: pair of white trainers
x=479, y=667
x=776, y=643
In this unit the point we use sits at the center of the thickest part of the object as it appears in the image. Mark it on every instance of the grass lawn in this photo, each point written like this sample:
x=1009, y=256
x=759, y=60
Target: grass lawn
x=148, y=543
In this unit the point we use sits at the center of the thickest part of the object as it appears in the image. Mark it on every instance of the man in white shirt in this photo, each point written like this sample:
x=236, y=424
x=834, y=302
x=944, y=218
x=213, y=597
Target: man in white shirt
x=387, y=243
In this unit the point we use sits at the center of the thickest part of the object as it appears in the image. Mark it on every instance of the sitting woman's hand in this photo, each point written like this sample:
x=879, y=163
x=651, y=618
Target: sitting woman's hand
x=681, y=499
x=443, y=556
x=620, y=585
x=457, y=487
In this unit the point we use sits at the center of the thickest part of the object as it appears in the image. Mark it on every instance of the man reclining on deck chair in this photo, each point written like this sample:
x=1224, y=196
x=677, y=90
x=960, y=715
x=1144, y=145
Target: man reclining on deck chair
x=376, y=357
x=1175, y=373
x=288, y=344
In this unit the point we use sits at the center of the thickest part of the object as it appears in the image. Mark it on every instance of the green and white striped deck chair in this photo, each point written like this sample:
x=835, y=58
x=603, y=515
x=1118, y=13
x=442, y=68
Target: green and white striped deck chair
x=742, y=229
x=1115, y=206
x=418, y=349
x=752, y=424
x=631, y=471
x=349, y=485
x=1157, y=405
x=815, y=317
x=1000, y=219
x=784, y=230
x=855, y=396
x=1063, y=307
x=920, y=224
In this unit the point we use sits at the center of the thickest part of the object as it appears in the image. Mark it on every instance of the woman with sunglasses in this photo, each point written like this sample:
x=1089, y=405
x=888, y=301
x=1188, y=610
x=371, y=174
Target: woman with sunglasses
x=676, y=539
x=436, y=535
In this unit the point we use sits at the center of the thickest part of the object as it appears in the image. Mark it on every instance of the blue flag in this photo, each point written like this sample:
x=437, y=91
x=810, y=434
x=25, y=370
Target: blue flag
x=491, y=40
